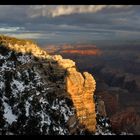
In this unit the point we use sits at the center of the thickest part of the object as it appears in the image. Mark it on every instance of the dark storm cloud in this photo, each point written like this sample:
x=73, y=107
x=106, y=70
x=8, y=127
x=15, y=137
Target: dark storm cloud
x=69, y=24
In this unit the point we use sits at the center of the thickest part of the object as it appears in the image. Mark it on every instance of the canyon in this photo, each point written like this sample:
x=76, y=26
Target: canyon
x=116, y=71
x=50, y=91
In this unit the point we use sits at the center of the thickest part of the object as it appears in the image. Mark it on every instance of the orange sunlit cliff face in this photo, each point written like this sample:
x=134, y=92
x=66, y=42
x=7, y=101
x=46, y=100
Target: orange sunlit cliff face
x=81, y=49
x=83, y=52
x=76, y=49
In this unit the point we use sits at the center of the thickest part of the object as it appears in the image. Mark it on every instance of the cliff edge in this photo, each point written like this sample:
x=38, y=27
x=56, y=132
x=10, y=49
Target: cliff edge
x=42, y=93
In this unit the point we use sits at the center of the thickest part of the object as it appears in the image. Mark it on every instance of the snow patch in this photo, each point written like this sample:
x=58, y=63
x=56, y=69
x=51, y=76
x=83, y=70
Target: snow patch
x=19, y=85
x=42, y=100
x=24, y=59
x=9, y=116
x=37, y=93
x=61, y=131
x=27, y=107
x=1, y=57
x=64, y=111
x=2, y=85
x=5, y=67
x=45, y=119
x=55, y=106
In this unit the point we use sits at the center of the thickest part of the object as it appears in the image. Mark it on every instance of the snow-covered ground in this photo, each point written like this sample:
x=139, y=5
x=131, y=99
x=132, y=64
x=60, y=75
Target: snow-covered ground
x=27, y=99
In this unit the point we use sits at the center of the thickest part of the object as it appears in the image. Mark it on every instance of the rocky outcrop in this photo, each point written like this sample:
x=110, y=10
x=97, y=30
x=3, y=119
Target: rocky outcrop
x=81, y=89
x=101, y=107
x=127, y=120
x=46, y=92
x=64, y=63
x=110, y=101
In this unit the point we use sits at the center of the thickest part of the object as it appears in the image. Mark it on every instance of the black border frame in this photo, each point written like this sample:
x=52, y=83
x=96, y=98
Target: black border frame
x=70, y=2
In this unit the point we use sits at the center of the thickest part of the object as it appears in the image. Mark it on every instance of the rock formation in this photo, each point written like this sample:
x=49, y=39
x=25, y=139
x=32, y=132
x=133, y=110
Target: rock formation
x=43, y=94
x=126, y=120
x=82, y=52
x=110, y=102
x=81, y=90
x=101, y=107
x=75, y=49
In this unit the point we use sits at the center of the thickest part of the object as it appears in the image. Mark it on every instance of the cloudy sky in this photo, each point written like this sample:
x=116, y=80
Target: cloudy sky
x=48, y=24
